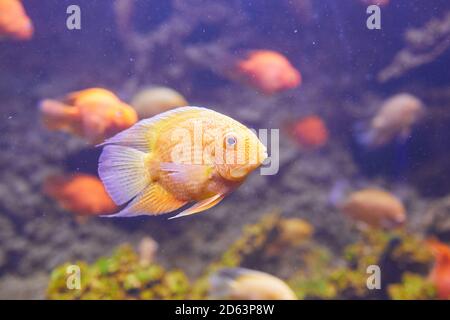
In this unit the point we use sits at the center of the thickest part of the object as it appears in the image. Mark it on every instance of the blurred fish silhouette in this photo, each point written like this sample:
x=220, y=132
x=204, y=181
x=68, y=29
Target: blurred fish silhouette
x=246, y=284
x=310, y=132
x=394, y=119
x=289, y=233
x=268, y=71
x=81, y=194
x=371, y=207
x=149, y=102
x=94, y=114
x=14, y=22
x=440, y=274
x=184, y=155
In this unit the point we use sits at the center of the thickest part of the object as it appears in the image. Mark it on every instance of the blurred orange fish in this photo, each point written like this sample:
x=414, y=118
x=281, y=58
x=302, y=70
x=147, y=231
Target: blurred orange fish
x=440, y=274
x=14, y=22
x=94, y=114
x=82, y=194
x=268, y=71
x=394, y=119
x=310, y=132
x=374, y=207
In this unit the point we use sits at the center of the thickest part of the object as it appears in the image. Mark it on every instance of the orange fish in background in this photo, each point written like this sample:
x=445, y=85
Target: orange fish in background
x=394, y=120
x=94, y=114
x=268, y=71
x=82, y=194
x=14, y=22
x=375, y=208
x=440, y=274
x=310, y=132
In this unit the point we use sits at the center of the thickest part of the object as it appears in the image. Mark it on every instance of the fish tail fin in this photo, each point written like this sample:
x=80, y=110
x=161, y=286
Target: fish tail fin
x=56, y=115
x=124, y=172
x=364, y=136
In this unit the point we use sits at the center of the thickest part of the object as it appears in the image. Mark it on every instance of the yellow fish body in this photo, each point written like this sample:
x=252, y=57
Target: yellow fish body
x=246, y=284
x=184, y=155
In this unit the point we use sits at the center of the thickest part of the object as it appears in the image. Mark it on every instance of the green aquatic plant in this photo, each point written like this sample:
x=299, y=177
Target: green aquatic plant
x=395, y=252
x=311, y=282
x=412, y=287
x=120, y=276
x=268, y=244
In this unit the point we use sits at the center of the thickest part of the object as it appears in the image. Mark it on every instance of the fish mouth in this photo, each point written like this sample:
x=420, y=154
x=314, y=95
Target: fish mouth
x=265, y=156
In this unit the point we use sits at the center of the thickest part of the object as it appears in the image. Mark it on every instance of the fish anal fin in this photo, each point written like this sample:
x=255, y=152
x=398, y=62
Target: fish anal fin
x=154, y=200
x=201, y=206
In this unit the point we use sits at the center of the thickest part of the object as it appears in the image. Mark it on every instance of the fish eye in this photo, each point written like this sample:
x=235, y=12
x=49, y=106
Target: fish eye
x=230, y=140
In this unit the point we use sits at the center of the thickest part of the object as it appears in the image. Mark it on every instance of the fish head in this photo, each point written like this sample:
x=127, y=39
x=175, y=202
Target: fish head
x=26, y=30
x=22, y=29
x=241, y=152
x=395, y=221
x=126, y=114
x=292, y=78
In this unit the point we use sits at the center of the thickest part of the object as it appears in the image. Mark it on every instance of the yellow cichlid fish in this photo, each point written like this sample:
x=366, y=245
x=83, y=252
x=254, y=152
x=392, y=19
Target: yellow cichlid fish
x=246, y=284
x=184, y=155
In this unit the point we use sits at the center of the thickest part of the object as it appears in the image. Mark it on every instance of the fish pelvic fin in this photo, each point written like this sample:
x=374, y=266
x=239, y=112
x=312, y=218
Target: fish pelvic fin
x=56, y=115
x=200, y=206
x=124, y=172
x=153, y=200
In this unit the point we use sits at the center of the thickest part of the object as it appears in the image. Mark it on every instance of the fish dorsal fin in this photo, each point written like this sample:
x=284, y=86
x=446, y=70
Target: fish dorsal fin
x=124, y=172
x=154, y=200
x=200, y=206
x=140, y=135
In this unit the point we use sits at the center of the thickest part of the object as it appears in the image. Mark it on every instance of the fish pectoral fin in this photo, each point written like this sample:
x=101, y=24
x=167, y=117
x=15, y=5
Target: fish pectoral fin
x=182, y=173
x=201, y=206
x=153, y=200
